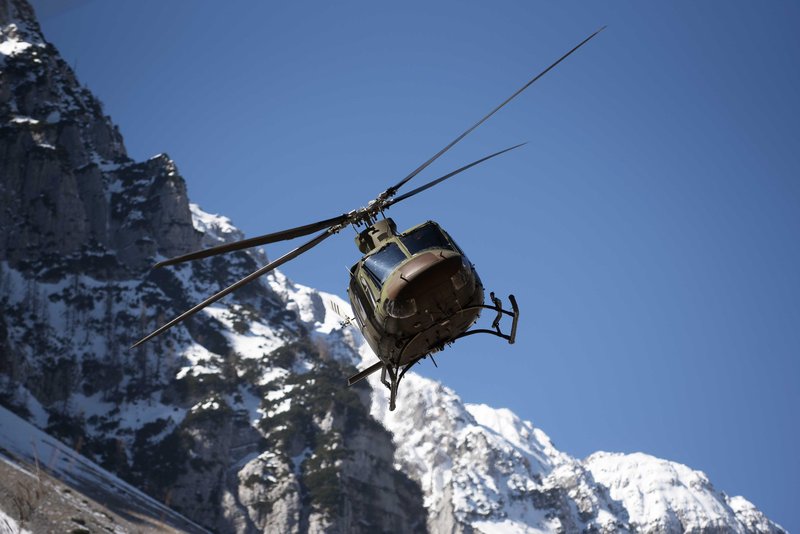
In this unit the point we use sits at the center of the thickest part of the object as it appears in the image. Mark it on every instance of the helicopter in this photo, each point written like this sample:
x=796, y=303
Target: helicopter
x=412, y=293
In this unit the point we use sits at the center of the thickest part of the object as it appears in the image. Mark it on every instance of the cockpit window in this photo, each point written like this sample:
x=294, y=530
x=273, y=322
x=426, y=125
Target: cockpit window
x=381, y=264
x=428, y=236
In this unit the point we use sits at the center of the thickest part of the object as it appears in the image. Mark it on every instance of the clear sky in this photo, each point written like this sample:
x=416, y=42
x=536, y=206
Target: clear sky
x=650, y=228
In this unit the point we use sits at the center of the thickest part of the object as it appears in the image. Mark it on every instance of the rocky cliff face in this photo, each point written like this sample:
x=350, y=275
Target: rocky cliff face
x=68, y=185
x=203, y=418
x=239, y=418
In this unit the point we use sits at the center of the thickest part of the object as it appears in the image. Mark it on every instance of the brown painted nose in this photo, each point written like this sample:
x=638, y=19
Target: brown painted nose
x=423, y=275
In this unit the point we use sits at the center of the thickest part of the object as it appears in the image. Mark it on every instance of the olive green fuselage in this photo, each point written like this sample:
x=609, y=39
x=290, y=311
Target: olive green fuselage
x=412, y=292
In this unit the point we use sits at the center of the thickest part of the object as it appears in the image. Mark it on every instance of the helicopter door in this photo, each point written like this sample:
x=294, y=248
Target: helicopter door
x=361, y=305
x=367, y=290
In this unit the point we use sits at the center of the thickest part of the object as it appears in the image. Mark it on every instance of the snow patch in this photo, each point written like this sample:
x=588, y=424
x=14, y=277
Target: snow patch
x=22, y=120
x=9, y=526
x=259, y=339
x=12, y=47
x=217, y=228
x=508, y=526
x=16, y=39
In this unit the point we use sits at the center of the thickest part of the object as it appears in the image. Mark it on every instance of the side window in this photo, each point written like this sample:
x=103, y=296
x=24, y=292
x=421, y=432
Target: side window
x=359, y=303
x=361, y=306
x=453, y=241
x=360, y=314
x=367, y=289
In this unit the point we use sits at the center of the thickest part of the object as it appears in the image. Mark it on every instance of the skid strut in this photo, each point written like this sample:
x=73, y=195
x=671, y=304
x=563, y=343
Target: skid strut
x=495, y=331
x=394, y=372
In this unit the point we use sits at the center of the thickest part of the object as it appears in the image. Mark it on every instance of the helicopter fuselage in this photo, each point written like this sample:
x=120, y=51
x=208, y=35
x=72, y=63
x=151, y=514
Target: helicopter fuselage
x=413, y=292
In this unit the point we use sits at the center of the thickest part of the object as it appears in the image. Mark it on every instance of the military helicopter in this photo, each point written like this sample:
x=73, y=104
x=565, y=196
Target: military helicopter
x=412, y=293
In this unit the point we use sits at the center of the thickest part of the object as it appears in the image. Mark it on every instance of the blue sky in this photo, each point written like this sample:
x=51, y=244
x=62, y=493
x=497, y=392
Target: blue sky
x=649, y=229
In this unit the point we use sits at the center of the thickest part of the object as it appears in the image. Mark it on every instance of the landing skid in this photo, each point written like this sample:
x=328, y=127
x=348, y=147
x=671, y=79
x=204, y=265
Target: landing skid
x=396, y=372
x=498, y=307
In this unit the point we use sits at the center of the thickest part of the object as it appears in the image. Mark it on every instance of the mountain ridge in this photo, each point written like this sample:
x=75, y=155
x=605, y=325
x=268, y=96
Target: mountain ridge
x=240, y=418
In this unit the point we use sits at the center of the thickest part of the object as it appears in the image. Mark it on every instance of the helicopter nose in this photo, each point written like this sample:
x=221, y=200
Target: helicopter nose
x=424, y=276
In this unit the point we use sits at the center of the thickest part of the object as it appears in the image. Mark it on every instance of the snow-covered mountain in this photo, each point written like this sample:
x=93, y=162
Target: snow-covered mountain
x=240, y=419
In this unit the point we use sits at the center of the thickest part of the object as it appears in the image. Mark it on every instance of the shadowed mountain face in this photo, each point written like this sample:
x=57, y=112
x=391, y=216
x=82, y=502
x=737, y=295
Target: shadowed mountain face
x=240, y=418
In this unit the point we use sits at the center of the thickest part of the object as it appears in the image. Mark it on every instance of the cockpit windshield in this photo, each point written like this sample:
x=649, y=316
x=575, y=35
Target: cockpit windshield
x=428, y=236
x=381, y=264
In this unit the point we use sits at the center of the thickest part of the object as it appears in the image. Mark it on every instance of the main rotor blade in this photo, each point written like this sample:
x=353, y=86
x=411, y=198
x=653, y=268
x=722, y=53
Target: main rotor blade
x=255, y=241
x=419, y=169
x=446, y=176
x=249, y=278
